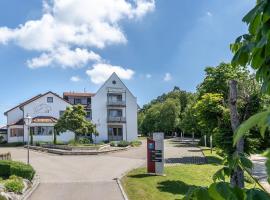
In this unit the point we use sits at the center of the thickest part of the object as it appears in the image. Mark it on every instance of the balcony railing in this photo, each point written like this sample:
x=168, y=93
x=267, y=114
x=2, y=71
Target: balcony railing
x=116, y=119
x=116, y=103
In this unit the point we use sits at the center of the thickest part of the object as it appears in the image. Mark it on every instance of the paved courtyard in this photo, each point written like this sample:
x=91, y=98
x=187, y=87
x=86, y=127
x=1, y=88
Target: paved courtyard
x=92, y=177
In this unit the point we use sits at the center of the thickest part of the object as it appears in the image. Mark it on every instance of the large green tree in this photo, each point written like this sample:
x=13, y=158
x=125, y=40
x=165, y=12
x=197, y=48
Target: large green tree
x=74, y=119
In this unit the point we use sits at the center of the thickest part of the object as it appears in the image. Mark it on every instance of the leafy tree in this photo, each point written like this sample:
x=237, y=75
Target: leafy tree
x=74, y=119
x=249, y=49
x=217, y=78
x=169, y=115
x=165, y=112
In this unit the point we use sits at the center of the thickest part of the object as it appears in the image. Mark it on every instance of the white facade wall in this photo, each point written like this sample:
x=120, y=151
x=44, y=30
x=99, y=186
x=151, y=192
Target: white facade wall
x=37, y=108
x=40, y=107
x=14, y=115
x=100, y=110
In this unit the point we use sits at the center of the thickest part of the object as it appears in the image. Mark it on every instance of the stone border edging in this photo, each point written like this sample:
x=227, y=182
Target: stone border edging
x=29, y=192
x=61, y=152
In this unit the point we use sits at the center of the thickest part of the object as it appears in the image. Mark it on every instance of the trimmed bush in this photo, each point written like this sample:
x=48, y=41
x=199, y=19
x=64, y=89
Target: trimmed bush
x=9, y=167
x=136, y=143
x=113, y=144
x=123, y=143
x=13, y=144
x=4, y=169
x=14, y=184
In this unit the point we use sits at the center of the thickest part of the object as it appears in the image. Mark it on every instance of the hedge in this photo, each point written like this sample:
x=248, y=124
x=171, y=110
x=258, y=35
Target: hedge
x=9, y=167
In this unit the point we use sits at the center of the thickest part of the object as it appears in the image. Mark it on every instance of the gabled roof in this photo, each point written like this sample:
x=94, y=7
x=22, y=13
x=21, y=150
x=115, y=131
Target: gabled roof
x=33, y=99
x=23, y=103
x=78, y=94
x=114, y=74
x=19, y=122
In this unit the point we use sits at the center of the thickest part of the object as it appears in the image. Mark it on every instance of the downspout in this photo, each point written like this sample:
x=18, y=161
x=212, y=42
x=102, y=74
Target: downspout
x=126, y=113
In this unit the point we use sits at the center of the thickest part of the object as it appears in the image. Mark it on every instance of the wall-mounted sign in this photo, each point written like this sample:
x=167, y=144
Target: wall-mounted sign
x=155, y=154
x=42, y=108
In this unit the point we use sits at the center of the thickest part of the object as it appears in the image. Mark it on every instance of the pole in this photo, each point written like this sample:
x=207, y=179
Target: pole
x=205, y=141
x=192, y=138
x=211, y=143
x=28, y=145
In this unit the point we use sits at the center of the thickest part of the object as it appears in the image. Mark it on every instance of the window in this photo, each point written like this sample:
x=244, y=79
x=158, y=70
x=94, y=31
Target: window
x=115, y=97
x=49, y=99
x=115, y=113
x=42, y=130
x=115, y=133
x=77, y=101
x=88, y=114
x=114, y=82
x=88, y=100
x=61, y=112
x=16, y=132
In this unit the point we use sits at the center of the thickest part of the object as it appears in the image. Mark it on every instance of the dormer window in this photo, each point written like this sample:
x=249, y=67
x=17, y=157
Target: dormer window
x=49, y=99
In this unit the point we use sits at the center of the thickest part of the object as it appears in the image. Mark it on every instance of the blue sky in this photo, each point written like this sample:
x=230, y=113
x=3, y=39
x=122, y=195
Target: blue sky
x=155, y=45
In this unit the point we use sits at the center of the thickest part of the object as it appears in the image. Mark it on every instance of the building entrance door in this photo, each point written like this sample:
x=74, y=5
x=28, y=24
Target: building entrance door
x=115, y=133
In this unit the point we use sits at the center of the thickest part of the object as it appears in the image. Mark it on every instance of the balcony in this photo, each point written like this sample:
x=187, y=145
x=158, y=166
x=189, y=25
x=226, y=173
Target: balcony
x=116, y=103
x=116, y=119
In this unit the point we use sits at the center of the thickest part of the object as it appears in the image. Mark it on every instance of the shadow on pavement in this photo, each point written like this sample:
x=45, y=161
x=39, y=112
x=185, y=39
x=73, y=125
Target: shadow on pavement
x=174, y=187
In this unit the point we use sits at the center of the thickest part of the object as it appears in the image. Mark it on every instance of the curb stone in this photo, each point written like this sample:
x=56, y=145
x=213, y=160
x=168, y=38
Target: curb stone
x=118, y=181
x=29, y=192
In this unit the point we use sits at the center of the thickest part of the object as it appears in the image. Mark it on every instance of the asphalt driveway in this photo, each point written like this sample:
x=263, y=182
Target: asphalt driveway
x=80, y=177
x=93, y=177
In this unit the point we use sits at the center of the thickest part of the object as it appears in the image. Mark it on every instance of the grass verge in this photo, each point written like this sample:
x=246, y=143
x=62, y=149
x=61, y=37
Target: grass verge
x=178, y=180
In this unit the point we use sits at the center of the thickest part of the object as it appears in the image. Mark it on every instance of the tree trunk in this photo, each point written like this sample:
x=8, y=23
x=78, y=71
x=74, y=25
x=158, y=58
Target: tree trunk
x=54, y=136
x=237, y=176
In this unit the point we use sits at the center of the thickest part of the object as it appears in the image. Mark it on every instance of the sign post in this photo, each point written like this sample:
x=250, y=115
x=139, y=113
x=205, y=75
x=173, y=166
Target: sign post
x=155, y=154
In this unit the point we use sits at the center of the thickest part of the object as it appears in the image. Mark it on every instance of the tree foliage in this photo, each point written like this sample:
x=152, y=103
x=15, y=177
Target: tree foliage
x=74, y=119
x=164, y=113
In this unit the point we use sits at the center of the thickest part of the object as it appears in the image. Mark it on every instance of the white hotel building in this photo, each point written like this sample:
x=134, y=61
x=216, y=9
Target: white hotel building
x=113, y=109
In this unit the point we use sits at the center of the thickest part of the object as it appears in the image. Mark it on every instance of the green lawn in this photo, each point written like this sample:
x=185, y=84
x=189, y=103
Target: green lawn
x=141, y=186
x=212, y=158
x=176, y=183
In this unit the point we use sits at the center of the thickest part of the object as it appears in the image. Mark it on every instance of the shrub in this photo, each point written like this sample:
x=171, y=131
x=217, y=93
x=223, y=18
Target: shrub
x=13, y=144
x=123, y=143
x=113, y=144
x=136, y=143
x=9, y=167
x=4, y=169
x=106, y=141
x=1, y=138
x=72, y=142
x=14, y=184
x=84, y=141
x=2, y=197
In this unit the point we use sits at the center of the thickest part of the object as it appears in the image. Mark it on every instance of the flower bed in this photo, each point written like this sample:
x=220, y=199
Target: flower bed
x=15, y=179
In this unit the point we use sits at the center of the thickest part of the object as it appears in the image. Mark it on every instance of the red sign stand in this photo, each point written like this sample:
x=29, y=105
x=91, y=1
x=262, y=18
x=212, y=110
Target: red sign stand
x=151, y=166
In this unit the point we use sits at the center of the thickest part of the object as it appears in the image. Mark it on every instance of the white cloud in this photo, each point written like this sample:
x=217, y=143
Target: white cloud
x=75, y=79
x=64, y=57
x=148, y=76
x=209, y=14
x=100, y=72
x=167, y=77
x=74, y=24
